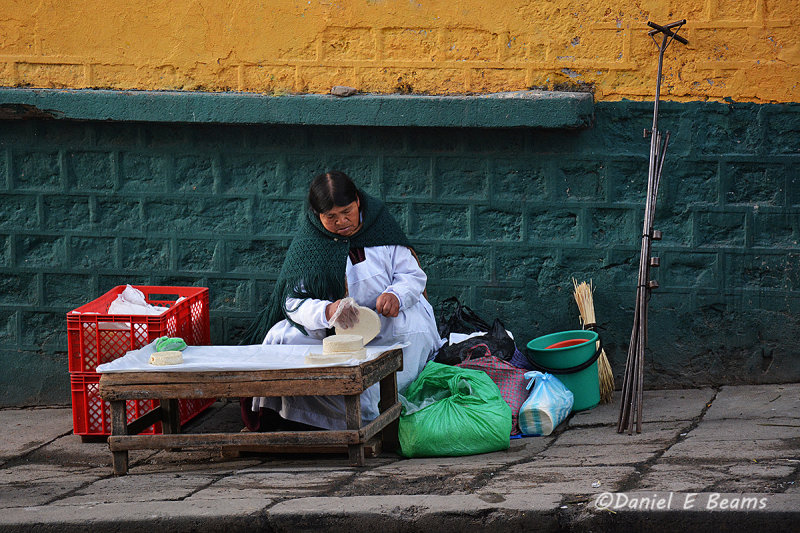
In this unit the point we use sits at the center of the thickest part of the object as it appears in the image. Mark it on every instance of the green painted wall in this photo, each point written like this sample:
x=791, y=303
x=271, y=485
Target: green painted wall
x=502, y=218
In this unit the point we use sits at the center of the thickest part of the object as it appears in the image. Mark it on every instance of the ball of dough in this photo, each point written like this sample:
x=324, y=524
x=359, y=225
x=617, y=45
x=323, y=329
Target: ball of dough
x=342, y=343
x=172, y=357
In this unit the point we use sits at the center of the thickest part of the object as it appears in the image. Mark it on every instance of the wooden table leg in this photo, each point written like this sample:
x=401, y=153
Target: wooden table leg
x=170, y=419
x=352, y=405
x=388, y=388
x=119, y=426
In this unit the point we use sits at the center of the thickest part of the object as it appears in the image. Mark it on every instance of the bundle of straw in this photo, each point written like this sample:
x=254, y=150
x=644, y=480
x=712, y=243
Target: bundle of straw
x=583, y=297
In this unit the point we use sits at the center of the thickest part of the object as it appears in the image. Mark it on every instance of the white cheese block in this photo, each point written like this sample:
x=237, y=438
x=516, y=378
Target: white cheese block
x=342, y=343
x=329, y=358
x=166, y=358
x=368, y=325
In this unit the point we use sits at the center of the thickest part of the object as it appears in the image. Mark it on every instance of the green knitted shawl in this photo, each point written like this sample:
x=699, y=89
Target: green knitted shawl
x=315, y=262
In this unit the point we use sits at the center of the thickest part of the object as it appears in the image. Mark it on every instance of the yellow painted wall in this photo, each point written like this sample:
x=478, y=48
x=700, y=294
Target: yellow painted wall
x=747, y=50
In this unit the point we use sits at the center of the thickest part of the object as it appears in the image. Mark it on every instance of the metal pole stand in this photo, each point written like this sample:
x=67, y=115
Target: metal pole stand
x=630, y=414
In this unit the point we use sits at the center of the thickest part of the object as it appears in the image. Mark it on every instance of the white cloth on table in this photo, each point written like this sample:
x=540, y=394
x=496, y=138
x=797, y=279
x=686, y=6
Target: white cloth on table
x=230, y=358
x=391, y=269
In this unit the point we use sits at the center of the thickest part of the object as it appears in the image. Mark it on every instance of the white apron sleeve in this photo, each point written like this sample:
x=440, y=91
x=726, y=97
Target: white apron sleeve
x=408, y=279
x=308, y=312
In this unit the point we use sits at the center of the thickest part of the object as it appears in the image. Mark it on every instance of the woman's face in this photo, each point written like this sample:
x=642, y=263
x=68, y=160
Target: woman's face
x=342, y=220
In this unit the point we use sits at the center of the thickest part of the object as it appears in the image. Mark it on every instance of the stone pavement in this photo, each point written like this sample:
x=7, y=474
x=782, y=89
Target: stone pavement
x=706, y=460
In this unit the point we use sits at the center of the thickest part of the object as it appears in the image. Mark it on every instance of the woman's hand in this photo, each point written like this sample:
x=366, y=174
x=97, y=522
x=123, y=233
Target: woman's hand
x=387, y=304
x=347, y=318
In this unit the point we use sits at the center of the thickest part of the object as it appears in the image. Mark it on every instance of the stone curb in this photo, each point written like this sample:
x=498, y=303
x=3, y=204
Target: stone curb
x=679, y=512
x=163, y=516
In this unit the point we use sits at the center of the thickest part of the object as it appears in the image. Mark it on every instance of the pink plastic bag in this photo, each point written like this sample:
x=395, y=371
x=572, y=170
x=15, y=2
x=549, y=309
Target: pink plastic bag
x=508, y=378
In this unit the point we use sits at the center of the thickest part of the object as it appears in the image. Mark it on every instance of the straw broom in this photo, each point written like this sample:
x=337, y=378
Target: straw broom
x=583, y=297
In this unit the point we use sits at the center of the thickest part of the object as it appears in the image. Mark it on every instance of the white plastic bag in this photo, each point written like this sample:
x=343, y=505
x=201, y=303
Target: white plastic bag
x=346, y=315
x=455, y=338
x=131, y=301
x=548, y=404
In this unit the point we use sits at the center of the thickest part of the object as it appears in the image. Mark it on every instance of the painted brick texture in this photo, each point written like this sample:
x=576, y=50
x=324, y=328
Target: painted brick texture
x=503, y=219
x=744, y=50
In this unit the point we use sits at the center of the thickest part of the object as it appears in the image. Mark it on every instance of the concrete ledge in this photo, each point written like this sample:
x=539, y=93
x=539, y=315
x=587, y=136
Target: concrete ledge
x=444, y=514
x=491, y=513
x=164, y=516
x=531, y=109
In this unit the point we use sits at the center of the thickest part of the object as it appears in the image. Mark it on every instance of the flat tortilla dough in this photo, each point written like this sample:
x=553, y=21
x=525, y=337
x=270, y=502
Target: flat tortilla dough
x=171, y=357
x=339, y=357
x=368, y=325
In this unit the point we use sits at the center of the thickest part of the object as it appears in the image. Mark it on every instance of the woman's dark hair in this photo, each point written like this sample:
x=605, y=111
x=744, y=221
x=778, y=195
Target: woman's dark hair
x=331, y=189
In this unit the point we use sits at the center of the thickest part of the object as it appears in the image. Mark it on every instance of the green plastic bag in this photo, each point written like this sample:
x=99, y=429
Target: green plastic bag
x=452, y=411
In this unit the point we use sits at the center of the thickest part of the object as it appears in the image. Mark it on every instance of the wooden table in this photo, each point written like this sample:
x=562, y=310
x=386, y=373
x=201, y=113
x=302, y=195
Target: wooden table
x=349, y=381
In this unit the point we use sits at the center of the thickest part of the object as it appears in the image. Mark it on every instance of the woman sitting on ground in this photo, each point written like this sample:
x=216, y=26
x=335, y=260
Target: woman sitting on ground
x=348, y=244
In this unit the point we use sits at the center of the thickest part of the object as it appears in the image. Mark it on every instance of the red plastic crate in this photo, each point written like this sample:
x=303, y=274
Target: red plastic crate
x=95, y=337
x=92, y=416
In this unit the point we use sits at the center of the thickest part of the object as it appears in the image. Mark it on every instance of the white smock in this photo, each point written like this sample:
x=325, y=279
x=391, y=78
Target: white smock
x=391, y=269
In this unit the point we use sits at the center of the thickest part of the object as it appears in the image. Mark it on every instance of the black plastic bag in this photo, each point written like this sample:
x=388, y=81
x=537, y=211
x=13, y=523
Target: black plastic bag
x=462, y=320
x=496, y=342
